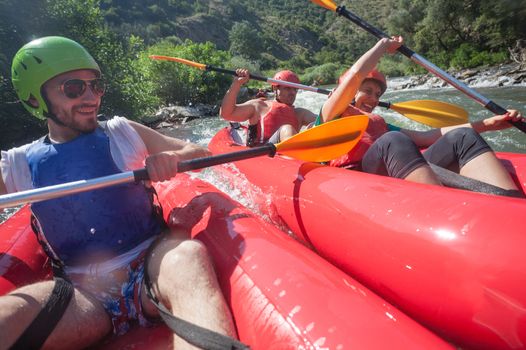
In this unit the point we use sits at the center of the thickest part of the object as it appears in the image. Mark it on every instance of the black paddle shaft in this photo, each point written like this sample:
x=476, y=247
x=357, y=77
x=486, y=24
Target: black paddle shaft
x=200, y=163
x=488, y=104
x=233, y=72
x=260, y=78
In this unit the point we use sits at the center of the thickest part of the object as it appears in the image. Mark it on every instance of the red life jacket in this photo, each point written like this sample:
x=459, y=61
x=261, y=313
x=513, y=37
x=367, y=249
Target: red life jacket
x=376, y=128
x=278, y=115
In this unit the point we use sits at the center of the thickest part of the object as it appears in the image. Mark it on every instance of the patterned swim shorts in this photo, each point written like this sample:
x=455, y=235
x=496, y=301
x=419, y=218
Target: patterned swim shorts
x=119, y=291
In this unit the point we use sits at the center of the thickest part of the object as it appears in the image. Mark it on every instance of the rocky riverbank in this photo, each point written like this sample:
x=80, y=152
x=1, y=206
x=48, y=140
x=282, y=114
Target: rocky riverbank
x=512, y=74
x=166, y=117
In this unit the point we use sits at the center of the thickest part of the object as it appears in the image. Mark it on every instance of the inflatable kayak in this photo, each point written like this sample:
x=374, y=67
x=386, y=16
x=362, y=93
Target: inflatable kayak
x=282, y=295
x=451, y=259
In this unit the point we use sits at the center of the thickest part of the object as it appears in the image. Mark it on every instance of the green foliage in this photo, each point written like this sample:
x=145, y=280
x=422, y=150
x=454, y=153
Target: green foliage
x=180, y=84
x=468, y=56
x=393, y=66
x=299, y=62
x=244, y=40
x=325, y=74
x=127, y=92
x=242, y=62
x=460, y=33
x=272, y=35
x=266, y=61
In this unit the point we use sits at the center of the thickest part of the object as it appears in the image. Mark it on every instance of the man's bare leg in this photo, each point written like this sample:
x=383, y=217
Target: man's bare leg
x=286, y=131
x=84, y=323
x=184, y=281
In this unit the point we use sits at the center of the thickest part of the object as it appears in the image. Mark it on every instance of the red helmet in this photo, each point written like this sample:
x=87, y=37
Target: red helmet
x=374, y=75
x=286, y=75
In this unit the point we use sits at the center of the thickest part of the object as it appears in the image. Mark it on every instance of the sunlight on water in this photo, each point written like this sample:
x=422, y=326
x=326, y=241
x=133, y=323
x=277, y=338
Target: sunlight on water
x=256, y=201
x=7, y=213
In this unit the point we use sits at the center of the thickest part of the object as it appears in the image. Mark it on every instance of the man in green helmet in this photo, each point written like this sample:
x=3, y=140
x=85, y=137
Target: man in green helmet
x=106, y=241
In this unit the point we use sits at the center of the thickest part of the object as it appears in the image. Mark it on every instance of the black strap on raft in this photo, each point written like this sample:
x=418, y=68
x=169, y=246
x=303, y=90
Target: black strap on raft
x=39, y=330
x=252, y=135
x=192, y=333
x=454, y=180
x=47, y=319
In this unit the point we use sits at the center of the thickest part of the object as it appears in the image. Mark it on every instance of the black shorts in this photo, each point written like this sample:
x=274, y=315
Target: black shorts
x=395, y=154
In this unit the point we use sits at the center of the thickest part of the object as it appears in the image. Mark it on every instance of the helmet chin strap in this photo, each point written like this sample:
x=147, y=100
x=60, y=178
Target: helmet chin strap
x=50, y=115
x=54, y=118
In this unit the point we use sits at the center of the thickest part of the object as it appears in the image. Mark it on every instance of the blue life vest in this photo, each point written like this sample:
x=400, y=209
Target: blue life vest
x=104, y=222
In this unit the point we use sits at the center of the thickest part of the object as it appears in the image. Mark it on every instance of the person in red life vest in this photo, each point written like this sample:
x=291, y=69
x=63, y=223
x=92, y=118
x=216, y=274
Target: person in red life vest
x=388, y=150
x=269, y=121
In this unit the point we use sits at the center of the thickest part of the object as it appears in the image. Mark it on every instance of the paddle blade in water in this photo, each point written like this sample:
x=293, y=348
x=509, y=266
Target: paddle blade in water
x=325, y=142
x=328, y=4
x=433, y=113
x=180, y=60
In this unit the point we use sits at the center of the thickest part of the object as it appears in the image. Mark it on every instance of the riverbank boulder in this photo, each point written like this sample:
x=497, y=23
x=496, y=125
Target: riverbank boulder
x=511, y=74
x=168, y=116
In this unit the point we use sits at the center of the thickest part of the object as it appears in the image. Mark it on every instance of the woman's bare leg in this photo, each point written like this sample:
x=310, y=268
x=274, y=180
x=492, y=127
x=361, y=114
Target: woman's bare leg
x=424, y=175
x=488, y=168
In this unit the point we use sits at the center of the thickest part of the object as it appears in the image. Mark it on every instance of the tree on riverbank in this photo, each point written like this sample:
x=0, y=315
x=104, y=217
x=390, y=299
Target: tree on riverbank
x=460, y=33
x=270, y=35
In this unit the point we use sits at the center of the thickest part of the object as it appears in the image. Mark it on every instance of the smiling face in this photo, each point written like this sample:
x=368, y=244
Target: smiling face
x=78, y=115
x=286, y=95
x=368, y=95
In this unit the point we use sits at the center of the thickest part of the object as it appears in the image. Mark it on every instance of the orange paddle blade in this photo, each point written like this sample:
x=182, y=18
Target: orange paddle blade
x=328, y=4
x=180, y=60
x=325, y=142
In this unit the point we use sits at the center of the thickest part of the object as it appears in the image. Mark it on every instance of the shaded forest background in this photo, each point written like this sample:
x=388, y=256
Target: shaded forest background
x=262, y=35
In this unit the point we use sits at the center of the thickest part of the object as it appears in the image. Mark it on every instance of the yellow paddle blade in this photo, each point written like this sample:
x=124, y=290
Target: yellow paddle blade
x=328, y=4
x=180, y=60
x=325, y=142
x=436, y=114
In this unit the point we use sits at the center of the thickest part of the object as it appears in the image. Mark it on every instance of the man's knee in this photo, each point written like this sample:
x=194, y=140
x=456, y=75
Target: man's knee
x=188, y=258
x=287, y=131
x=190, y=250
x=287, y=128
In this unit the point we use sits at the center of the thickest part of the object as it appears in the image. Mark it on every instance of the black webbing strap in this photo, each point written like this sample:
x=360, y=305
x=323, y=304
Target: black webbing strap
x=192, y=333
x=454, y=180
x=38, y=331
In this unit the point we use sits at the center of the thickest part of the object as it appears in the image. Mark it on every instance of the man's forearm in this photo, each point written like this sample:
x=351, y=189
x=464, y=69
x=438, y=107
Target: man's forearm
x=229, y=101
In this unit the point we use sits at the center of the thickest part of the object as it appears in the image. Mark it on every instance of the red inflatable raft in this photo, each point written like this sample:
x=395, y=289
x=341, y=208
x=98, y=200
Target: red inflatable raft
x=282, y=295
x=451, y=259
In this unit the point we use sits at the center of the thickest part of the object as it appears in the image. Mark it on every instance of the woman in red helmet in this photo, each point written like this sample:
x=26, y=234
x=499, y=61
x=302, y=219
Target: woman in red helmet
x=388, y=150
x=269, y=121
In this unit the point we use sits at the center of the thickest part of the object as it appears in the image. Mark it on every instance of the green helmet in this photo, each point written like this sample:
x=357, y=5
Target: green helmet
x=42, y=59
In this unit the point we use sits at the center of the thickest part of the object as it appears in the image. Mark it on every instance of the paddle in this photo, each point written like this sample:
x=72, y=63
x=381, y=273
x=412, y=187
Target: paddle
x=433, y=113
x=207, y=67
x=430, y=67
x=436, y=114
x=319, y=144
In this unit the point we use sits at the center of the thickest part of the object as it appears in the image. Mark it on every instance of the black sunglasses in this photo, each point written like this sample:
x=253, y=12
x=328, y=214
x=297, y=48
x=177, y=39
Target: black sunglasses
x=75, y=88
